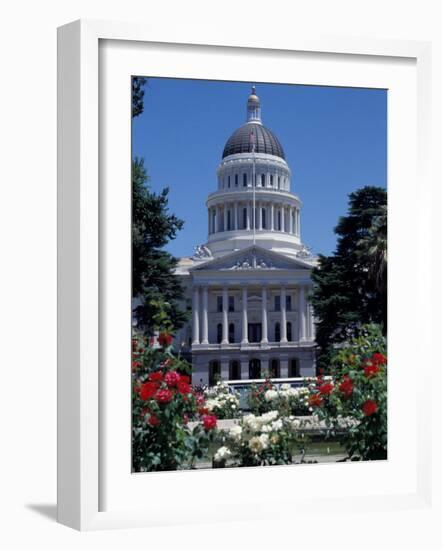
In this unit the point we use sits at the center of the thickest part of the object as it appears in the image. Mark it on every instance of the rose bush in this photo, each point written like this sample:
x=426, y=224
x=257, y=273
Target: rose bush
x=358, y=392
x=284, y=398
x=163, y=402
x=263, y=440
x=222, y=401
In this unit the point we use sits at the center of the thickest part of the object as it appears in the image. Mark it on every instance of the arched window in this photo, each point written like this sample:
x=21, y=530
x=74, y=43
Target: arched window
x=254, y=369
x=279, y=220
x=279, y=182
x=236, y=180
x=263, y=218
x=271, y=180
x=229, y=220
x=219, y=333
x=228, y=182
x=244, y=180
x=214, y=372
x=274, y=368
x=244, y=218
x=234, y=371
x=294, y=368
x=232, y=333
x=277, y=332
x=263, y=180
x=289, y=331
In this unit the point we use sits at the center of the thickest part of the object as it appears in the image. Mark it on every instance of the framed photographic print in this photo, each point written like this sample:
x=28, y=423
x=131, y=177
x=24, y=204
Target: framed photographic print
x=224, y=291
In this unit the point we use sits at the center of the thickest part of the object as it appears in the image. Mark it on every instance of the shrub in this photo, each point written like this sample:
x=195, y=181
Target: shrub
x=358, y=392
x=163, y=402
x=264, y=440
x=222, y=401
x=285, y=399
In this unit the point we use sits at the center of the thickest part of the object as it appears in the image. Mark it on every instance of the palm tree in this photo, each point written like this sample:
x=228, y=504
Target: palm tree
x=373, y=248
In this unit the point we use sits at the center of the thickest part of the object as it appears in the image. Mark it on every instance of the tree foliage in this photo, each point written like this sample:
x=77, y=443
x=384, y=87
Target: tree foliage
x=153, y=279
x=346, y=290
x=138, y=84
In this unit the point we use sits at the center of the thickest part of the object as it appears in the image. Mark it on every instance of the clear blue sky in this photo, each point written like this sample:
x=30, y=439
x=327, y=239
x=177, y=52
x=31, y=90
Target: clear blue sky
x=335, y=141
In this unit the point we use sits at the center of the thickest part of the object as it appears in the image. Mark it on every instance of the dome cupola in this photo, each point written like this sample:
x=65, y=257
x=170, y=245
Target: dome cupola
x=253, y=136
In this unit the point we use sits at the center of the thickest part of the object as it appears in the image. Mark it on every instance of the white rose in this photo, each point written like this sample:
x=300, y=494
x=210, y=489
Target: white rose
x=270, y=395
x=255, y=444
x=223, y=453
x=235, y=432
x=276, y=425
x=264, y=438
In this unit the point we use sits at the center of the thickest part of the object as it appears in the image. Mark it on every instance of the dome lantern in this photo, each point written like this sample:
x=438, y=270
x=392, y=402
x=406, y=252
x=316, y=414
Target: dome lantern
x=253, y=107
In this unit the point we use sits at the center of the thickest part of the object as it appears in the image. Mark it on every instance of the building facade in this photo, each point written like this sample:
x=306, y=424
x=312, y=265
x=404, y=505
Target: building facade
x=249, y=283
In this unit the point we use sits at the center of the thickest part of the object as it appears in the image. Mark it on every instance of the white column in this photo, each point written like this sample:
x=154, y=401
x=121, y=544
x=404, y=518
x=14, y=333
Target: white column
x=244, y=369
x=259, y=208
x=292, y=220
x=301, y=313
x=245, y=338
x=204, y=320
x=218, y=218
x=282, y=218
x=225, y=339
x=235, y=223
x=195, y=315
x=225, y=216
x=272, y=214
x=283, y=316
x=264, y=339
x=248, y=215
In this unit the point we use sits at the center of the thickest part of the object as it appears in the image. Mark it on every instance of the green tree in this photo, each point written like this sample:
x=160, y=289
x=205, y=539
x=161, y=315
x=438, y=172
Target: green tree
x=154, y=282
x=138, y=84
x=155, y=287
x=345, y=294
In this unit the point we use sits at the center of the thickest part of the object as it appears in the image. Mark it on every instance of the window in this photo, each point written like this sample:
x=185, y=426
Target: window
x=279, y=182
x=219, y=304
x=236, y=180
x=277, y=332
x=271, y=180
x=232, y=333
x=263, y=219
x=244, y=218
x=214, y=372
x=288, y=303
x=277, y=303
x=279, y=220
x=274, y=368
x=219, y=333
x=228, y=182
x=229, y=220
x=244, y=180
x=289, y=332
x=234, y=371
x=294, y=368
x=263, y=180
x=231, y=303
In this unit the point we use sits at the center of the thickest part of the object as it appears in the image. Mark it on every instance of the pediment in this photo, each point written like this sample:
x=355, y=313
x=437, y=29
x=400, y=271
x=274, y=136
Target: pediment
x=253, y=258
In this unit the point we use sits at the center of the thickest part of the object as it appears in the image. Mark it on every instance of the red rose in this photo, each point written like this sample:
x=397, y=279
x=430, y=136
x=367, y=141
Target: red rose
x=153, y=420
x=315, y=400
x=378, y=359
x=185, y=378
x=164, y=396
x=209, y=422
x=172, y=378
x=200, y=400
x=346, y=386
x=369, y=407
x=203, y=410
x=136, y=365
x=371, y=370
x=326, y=388
x=183, y=387
x=165, y=339
x=156, y=376
x=148, y=390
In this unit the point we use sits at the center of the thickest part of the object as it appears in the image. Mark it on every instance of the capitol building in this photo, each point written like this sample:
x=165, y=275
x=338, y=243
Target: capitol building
x=249, y=283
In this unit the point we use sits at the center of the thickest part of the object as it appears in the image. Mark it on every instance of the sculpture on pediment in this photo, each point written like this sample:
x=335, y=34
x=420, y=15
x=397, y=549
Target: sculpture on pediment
x=304, y=252
x=202, y=252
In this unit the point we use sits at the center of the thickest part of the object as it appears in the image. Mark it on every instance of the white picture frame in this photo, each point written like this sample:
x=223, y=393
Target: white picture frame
x=80, y=398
